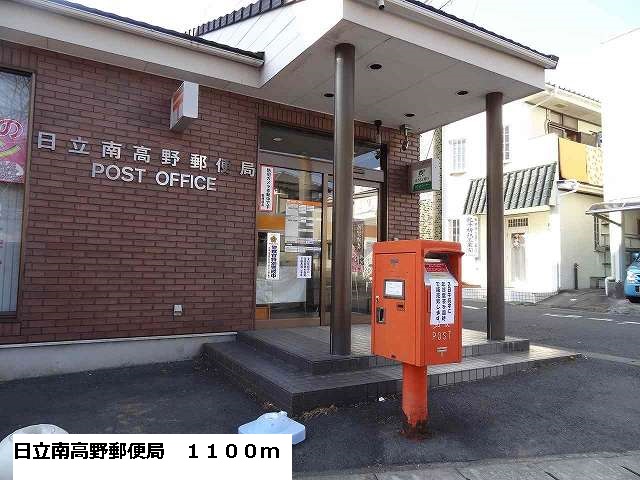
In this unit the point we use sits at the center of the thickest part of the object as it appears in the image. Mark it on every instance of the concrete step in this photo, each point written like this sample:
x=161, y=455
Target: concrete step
x=308, y=349
x=296, y=390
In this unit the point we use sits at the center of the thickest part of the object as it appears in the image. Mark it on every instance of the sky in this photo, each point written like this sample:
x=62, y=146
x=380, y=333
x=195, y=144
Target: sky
x=570, y=29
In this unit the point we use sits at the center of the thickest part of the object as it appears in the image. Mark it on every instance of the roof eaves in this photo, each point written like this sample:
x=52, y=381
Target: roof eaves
x=240, y=15
x=153, y=28
x=552, y=58
x=574, y=92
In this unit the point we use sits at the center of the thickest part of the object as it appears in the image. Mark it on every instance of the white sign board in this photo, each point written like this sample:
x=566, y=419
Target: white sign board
x=443, y=288
x=273, y=256
x=304, y=266
x=184, y=106
x=443, y=302
x=422, y=177
x=471, y=238
x=266, y=189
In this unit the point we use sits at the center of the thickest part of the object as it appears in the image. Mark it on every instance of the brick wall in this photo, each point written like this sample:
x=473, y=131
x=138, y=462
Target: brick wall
x=110, y=259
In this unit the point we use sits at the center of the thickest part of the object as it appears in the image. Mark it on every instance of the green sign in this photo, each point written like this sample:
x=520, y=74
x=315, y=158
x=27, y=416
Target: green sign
x=421, y=177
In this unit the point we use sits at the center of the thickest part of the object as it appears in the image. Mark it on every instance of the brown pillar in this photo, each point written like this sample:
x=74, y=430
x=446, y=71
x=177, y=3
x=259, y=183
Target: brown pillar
x=495, y=218
x=342, y=231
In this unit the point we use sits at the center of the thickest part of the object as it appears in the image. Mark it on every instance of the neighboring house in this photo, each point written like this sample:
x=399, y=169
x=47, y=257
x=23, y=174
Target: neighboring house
x=621, y=207
x=553, y=173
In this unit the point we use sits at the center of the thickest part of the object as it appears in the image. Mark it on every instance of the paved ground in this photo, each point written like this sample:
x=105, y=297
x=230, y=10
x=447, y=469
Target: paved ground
x=600, y=466
x=576, y=329
x=589, y=405
x=582, y=406
x=591, y=300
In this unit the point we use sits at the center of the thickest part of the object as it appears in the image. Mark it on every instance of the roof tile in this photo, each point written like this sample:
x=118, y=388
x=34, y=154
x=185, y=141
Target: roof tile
x=526, y=188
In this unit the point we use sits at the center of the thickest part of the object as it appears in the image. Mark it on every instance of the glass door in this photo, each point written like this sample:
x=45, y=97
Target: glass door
x=289, y=230
x=366, y=228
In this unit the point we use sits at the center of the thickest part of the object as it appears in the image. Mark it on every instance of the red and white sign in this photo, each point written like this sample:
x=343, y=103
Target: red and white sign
x=13, y=150
x=266, y=189
x=184, y=106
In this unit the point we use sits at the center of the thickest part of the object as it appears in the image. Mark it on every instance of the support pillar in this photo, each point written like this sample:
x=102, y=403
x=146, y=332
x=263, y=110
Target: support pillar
x=414, y=400
x=343, y=147
x=495, y=218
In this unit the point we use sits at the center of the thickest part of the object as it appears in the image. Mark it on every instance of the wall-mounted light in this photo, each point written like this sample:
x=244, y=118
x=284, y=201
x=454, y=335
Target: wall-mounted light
x=405, y=130
x=277, y=139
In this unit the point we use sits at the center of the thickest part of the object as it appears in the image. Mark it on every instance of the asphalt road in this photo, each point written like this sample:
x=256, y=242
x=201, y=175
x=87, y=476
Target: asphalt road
x=574, y=407
x=587, y=405
x=575, y=329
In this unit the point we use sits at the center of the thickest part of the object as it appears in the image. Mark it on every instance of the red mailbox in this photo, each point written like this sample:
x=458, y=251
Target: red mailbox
x=417, y=313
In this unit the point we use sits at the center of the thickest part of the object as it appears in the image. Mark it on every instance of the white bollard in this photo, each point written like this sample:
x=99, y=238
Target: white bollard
x=6, y=446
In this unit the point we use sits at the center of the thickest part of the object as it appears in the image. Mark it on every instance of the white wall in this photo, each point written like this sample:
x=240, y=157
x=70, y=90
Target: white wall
x=577, y=242
x=620, y=104
x=542, y=253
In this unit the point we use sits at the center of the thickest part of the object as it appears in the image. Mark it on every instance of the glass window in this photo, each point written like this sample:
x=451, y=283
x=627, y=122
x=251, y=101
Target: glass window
x=554, y=117
x=454, y=229
x=570, y=122
x=458, y=148
x=14, y=126
x=319, y=146
x=506, y=147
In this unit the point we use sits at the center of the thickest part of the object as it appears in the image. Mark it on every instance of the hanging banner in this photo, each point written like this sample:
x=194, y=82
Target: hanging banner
x=304, y=266
x=443, y=287
x=273, y=256
x=266, y=189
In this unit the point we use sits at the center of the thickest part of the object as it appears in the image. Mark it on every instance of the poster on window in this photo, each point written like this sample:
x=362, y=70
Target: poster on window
x=302, y=226
x=357, y=252
x=266, y=189
x=304, y=266
x=472, y=243
x=273, y=256
x=13, y=150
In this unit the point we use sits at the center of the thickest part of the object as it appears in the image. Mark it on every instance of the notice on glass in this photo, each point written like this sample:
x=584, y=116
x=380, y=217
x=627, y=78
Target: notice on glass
x=442, y=301
x=299, y=230
x=304, y=266
x=273, y=256
x=266, y=189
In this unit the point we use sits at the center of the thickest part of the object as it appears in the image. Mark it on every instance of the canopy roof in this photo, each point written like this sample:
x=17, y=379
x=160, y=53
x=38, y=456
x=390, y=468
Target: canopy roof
x=428, y=59
x=616, y=206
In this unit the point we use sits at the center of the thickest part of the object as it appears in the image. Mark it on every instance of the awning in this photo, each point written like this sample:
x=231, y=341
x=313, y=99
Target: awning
x=415, y=64
x=527, y=188
x=618, y=206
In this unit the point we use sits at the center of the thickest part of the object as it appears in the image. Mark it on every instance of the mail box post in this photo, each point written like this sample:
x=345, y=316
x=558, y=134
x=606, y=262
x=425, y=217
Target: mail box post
x=417, y=314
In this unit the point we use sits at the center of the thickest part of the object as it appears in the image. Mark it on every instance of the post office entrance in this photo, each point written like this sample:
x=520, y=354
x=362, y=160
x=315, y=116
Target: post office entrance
x=293, y=223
